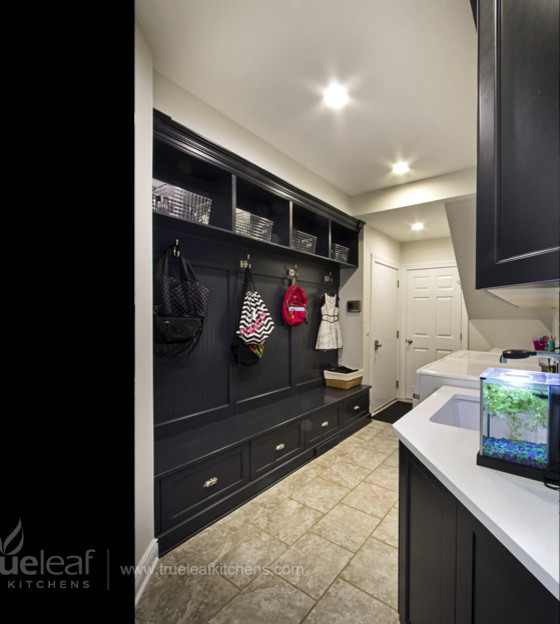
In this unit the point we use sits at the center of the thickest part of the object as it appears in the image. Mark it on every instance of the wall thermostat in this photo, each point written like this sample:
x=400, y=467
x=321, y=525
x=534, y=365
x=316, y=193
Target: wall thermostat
x=353, y=306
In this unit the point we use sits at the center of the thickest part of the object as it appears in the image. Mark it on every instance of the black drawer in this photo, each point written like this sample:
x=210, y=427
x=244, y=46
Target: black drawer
x=320, y=425
x=275, y=448
x=198, y=486
x=355, y=407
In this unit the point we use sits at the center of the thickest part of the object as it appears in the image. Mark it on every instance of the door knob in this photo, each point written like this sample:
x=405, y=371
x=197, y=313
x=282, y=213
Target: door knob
x=409, y=340
x=377, y=345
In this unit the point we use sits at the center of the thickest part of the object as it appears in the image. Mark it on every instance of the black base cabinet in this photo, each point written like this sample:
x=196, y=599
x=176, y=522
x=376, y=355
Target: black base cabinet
x=452, y=570
x=203, y=475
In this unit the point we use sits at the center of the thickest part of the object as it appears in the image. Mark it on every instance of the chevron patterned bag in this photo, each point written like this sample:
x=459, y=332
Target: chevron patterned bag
x=255, y=322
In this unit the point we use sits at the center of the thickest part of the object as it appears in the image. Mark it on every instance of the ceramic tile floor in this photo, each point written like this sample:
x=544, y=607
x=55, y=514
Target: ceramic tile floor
x=319, y=547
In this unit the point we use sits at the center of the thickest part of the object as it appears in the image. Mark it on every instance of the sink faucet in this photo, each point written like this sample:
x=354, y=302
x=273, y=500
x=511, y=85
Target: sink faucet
x=520, y=354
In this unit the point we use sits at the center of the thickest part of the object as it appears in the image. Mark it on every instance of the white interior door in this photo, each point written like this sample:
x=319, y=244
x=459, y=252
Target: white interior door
x=433, y=318
x=384, y=325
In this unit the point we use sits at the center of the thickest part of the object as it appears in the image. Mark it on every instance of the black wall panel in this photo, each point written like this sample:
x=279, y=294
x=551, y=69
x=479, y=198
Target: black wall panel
x=208, y=385
x=308, y=364
x=181, y=387
x=272, y=373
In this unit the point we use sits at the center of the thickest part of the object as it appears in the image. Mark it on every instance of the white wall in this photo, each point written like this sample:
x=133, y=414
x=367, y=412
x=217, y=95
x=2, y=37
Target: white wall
x=356, y=351
x=352, y=323
x=143, y=382
x=427, y=251
x=485, y=334
x=199, y=117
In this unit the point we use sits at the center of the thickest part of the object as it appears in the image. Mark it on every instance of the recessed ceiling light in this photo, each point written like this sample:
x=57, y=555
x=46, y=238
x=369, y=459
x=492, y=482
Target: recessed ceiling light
x=400, y=167
x=417, y=226
x=335, y=95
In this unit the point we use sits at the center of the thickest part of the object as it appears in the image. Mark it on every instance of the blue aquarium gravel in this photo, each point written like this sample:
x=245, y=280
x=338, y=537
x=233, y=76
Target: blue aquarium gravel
x=516, y=451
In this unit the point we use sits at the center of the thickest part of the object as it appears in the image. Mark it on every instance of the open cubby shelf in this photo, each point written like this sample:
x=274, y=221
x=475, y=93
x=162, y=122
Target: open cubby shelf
x=190, y=162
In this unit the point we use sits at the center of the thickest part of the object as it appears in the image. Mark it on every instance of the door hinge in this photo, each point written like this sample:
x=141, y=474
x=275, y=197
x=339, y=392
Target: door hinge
x=397, y=383
x=397, y=333
x=398, y=283
x=460, y=335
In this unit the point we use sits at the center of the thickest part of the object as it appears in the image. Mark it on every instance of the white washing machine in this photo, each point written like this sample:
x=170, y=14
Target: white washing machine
x=462, y=369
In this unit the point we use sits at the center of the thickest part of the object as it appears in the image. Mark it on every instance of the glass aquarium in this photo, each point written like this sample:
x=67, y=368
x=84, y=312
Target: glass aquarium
x=519, y=418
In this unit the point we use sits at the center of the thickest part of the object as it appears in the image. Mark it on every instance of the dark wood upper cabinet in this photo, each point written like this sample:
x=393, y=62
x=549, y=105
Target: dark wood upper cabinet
x=518, y=176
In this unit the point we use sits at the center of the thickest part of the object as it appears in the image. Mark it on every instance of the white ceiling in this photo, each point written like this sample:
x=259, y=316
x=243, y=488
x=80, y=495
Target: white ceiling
x=432, y=215
x=409, y=66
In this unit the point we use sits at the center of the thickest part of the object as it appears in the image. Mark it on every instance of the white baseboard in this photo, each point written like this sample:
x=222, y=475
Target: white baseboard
x=145, y=569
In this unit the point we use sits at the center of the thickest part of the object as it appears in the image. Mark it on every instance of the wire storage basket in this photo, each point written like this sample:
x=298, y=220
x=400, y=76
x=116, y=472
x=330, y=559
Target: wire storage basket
x=305, y=242
x=339, y=252
x=253, y=225
x=177, y=202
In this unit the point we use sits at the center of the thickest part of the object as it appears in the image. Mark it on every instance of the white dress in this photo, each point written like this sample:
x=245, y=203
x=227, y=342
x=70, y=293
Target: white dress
x=329, y=335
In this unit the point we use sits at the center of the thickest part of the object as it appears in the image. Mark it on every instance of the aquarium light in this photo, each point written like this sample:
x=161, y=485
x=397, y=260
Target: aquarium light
x=518, y=379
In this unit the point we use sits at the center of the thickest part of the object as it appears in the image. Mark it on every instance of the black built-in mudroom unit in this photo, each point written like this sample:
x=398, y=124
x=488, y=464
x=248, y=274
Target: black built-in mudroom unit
x=223, y=431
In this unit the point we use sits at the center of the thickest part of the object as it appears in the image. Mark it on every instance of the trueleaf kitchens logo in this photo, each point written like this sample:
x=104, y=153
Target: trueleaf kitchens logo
x=42, y=571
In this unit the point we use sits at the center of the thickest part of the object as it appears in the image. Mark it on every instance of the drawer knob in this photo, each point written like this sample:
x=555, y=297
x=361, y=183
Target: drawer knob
x=325, y=424
x=356, y=407
x=280, y=447
x=211, y=482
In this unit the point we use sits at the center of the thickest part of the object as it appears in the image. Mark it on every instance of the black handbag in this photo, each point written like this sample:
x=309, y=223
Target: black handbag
x=180, y=304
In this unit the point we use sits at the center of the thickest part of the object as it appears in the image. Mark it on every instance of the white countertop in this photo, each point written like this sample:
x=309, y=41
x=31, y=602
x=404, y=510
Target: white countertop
x=522, y=513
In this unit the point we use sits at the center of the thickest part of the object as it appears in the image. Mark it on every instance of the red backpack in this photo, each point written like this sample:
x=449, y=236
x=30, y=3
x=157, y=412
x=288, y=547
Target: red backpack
x=294, y=306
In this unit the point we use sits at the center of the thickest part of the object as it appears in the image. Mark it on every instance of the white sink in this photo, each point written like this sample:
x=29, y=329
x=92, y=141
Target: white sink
x=460, y=411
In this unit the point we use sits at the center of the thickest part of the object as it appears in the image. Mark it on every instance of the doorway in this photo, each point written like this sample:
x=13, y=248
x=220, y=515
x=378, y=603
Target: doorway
x=384, y=331
x=433, y=317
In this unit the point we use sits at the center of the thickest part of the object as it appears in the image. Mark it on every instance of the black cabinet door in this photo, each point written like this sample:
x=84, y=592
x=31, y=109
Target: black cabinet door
x=493, y=587
x=427, y=521
x=518, y=174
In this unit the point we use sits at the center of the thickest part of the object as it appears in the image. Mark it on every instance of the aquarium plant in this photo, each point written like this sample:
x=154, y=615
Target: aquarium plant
x=525, y=411
x=520, y=407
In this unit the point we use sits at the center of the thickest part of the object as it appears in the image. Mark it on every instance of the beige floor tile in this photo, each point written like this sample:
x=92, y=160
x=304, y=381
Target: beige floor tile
x=326, y=532
x=343, y=604
x=237, y=553
x=385, y=475
x=388, y=529
x=383, y=444
x=203, y=546
x=320, y=494
x=364, y=456
x=290, y=483
x=368, y=431
x=345, y=474
x=393, y=459
x=371, y=498
x=287, y=520
x=382, y=426
x=351, y=442
x=244, y=558
x=312, y=564
x=346, y=526
x=305, y=474
x=374, y=569
x=183, y=597
x=267, y=600
x=274, y=494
